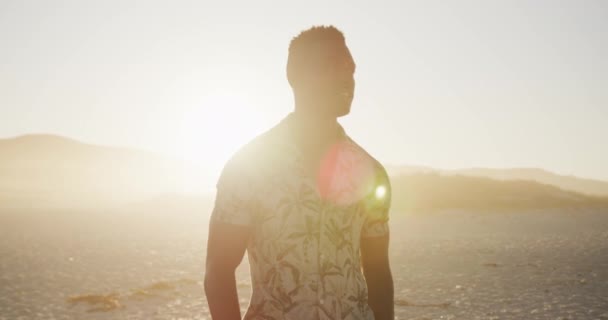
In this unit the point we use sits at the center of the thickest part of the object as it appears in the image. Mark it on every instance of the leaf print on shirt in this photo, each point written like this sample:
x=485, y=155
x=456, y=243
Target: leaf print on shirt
x=294, y=202
x=307, y=236
x=339, y=235
x=277, y=265
x=304, y=249
x=360, y=299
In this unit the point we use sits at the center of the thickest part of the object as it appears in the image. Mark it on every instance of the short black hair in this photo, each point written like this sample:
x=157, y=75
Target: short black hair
x=304, y=48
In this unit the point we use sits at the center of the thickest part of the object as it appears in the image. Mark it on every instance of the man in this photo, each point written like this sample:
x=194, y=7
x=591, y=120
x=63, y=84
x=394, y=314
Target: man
x=307, y=203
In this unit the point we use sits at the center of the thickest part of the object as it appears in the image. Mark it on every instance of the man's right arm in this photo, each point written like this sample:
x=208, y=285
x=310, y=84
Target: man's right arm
x=230, y=227
x=226, y=247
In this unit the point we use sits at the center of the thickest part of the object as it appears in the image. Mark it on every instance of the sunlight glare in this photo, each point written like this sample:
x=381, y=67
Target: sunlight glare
x=214, y=129
x=380, y=192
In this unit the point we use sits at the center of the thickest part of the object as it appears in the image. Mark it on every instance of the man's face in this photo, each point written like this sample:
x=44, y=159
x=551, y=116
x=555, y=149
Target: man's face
x=331, y=83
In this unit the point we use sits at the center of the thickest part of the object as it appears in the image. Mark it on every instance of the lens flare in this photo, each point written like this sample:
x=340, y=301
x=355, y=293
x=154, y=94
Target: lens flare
x=346, y=175
x=380, y=192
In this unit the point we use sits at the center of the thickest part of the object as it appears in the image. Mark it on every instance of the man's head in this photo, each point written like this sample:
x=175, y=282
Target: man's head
x=320, y=70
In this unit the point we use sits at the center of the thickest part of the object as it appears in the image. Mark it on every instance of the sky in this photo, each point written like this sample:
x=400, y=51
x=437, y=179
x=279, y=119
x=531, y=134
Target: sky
x=446, y=84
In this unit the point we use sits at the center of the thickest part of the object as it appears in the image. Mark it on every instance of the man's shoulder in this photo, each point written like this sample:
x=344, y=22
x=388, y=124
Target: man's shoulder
x=376, y=164
x=257, y=152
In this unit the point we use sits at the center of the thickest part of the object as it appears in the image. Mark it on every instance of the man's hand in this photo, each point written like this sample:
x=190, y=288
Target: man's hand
x=226, y=247
x=377, y=271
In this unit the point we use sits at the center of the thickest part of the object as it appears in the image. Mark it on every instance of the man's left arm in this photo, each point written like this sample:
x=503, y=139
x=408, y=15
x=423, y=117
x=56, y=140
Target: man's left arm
x=374, y=249
x=377, y=272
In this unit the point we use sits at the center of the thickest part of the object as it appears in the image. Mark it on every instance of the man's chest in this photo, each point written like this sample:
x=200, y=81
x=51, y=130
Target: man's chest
x=291, y=197
x=292, y=207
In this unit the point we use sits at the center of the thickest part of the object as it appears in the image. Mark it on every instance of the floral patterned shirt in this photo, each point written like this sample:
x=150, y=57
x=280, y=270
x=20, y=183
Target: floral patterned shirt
x=304, y=252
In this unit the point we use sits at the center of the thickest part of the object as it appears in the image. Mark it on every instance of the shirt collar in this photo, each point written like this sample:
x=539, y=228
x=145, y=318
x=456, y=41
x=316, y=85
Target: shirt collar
x=289, y=123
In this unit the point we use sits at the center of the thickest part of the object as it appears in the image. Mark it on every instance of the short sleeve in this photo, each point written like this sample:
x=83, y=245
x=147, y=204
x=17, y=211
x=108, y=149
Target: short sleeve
x=377, y=207
x=235, y=201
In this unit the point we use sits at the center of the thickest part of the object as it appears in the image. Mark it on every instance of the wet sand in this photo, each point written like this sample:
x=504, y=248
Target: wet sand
x=550, y=264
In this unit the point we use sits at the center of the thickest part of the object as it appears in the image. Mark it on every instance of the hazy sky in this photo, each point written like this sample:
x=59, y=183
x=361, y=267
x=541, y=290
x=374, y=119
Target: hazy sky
x=448, y=84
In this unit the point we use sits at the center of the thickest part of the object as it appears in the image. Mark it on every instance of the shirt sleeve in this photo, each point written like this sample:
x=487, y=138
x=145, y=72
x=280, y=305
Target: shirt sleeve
x=377, y=207
x=235, y=198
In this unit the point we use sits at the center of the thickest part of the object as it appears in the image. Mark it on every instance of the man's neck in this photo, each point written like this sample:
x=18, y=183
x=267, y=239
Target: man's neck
x=315, y=127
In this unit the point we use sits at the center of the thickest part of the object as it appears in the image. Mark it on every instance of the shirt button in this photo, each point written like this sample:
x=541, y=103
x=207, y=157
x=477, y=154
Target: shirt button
x=321, y=301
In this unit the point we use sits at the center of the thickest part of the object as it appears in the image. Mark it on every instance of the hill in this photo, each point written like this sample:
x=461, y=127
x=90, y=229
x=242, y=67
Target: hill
x=427, y=192
x=572, y=183
x=49, y=170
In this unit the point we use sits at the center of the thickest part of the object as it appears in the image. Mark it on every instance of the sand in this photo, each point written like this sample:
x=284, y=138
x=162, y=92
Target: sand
x=550, y=264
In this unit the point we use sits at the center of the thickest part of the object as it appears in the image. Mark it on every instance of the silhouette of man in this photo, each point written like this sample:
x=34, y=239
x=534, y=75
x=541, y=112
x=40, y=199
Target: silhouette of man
x=307, y=204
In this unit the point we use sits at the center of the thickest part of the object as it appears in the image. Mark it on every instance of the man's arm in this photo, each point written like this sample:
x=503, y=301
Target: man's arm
x=226, y=247
x=377, y=271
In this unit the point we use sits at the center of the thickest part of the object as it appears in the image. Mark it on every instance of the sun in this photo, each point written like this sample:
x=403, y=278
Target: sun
x=215, y=128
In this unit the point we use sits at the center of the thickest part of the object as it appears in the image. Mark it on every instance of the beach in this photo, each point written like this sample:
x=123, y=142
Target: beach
x=149, y=264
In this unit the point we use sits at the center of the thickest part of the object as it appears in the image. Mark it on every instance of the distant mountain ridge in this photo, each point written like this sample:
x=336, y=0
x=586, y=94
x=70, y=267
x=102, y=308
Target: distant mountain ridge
x=428, y=192
x=49, y=171
x=571, y=183
x=46, y=170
